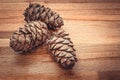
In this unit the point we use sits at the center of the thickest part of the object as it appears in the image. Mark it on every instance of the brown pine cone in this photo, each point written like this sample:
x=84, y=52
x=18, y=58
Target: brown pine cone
x=61, y=48
x=34, y=34
x=38, y=12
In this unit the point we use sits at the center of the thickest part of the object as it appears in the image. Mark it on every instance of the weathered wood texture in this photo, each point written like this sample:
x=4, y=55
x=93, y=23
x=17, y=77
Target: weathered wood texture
x=94, y=28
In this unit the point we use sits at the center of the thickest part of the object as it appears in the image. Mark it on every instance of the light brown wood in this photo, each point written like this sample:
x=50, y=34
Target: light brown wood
x=94, y=28
x=60, y=1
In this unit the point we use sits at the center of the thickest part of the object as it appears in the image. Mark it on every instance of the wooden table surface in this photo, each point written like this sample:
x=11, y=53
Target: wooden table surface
x=94, y=28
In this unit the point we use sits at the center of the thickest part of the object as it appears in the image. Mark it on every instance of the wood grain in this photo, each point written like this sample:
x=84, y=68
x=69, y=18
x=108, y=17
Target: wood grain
x=60, y=1
x=94, y=28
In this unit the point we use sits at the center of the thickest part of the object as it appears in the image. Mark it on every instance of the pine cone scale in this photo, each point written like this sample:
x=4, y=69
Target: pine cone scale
x=38, y=12
x=61, y=48
x=34, y=34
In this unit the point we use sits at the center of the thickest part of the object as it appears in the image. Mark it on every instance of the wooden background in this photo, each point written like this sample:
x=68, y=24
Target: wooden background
x=94, y=27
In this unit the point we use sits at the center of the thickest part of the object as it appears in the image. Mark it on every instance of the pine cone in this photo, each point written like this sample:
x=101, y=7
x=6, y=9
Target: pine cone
x=34, y=34
x=61, y=48
x=39, y=12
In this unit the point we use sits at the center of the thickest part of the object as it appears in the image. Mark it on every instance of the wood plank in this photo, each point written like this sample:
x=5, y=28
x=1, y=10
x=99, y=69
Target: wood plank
x=4, y=35
x=92, y=37
x=11, y=27
x=69, y=24
x=86, y=51
x=64, y=6
x=45, y=1
x=69, y=17
x=86, y=76
x=37, y=64
x=89, y=75
x=83, y=51
x=78, y=15
x=93, y=31
x=69, y=76
x=18, y=13
x=92, y=17
x=109, y=75
x=61, y=1
x=4, y=42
